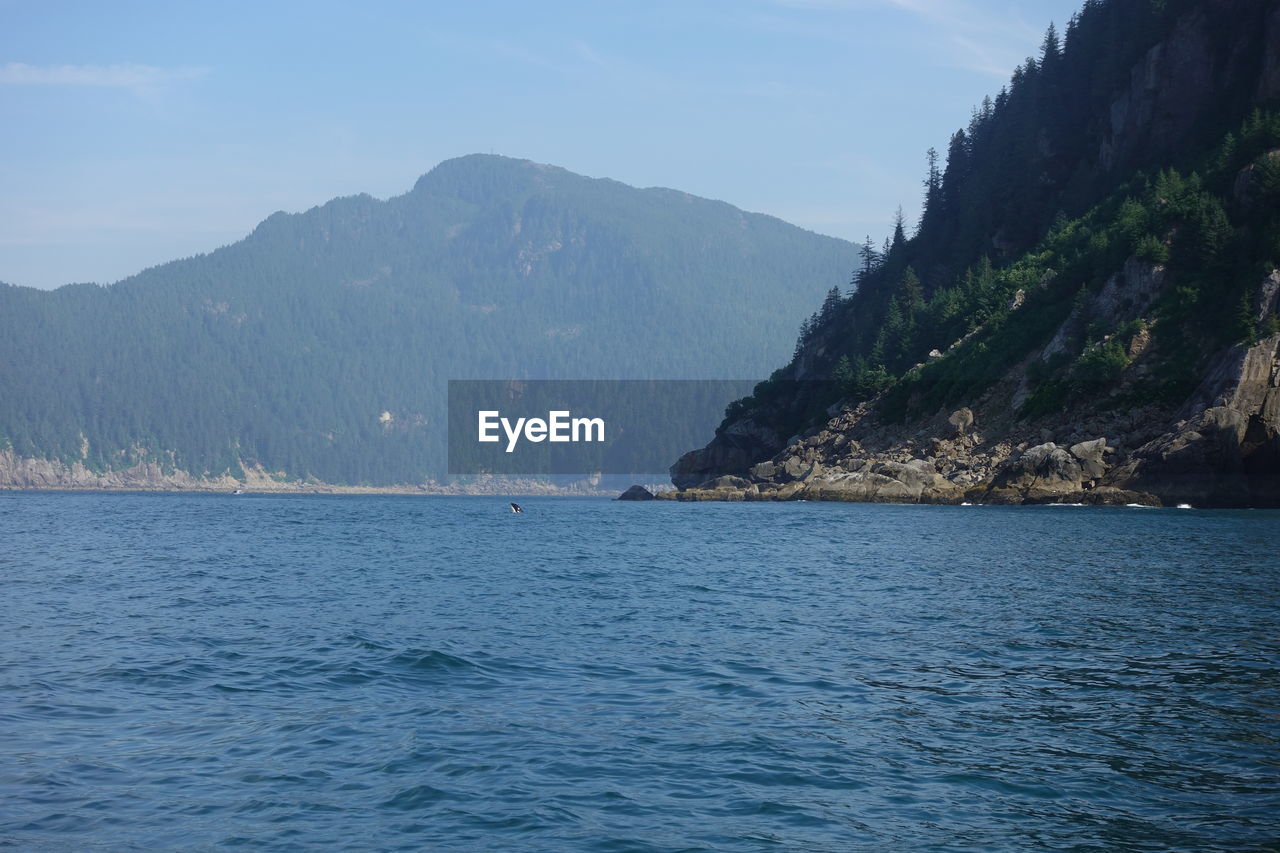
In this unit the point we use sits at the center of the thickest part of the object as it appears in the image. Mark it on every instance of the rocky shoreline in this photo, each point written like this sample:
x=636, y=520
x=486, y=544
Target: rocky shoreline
x=1220, y=449
x=26, y=474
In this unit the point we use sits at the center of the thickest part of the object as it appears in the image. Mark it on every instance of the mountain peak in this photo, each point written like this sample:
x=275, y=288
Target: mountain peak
x=470, y=175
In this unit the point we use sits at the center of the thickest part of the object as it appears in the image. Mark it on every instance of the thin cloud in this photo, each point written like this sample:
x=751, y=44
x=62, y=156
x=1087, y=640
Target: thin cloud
x=129, y=76
x=519, y=53
x=981, y=40
x=589, y=54
x=833, y=5
x=983, y=59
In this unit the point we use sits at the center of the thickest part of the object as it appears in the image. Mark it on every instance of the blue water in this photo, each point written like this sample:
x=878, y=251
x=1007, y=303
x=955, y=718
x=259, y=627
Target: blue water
x=390, y=673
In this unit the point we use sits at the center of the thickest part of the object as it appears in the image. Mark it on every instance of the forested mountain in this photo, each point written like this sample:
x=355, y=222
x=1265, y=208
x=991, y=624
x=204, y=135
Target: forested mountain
x=1096, y=259
x=319, y=346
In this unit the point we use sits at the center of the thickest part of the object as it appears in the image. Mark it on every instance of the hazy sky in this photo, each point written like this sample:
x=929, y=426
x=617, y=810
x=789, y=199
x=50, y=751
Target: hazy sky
x=138, y=132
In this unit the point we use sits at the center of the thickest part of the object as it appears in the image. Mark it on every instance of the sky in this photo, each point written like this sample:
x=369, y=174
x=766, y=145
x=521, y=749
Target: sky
x=139, y=132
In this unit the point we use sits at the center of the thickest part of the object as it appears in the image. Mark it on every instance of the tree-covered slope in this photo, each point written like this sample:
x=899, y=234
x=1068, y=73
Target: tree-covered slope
x=320, y=345
x=1095, y=259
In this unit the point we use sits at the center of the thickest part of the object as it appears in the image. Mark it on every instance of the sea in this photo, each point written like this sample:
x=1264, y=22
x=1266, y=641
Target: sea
x=294, y=673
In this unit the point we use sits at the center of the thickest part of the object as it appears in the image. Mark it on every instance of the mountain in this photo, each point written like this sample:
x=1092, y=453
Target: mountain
x=319, y=346
x=1087, y=311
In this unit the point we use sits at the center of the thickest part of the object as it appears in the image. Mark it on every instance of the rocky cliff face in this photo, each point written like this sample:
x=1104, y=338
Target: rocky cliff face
x=1182, y=79
x=1269, y=79
x=1225, y=449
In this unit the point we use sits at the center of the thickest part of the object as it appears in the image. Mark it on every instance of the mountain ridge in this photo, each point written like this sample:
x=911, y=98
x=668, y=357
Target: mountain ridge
x=282, y=351
x=423, y=185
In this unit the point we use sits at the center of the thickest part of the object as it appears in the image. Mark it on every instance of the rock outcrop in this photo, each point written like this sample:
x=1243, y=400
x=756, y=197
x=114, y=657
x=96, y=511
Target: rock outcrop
x=1042, y=473
x=1184, y=76
x=637, y=493
x=735, y=448
x=1225, y=450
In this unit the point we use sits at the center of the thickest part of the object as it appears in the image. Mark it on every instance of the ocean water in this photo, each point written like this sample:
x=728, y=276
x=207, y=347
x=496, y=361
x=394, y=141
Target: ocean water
x=403, y=673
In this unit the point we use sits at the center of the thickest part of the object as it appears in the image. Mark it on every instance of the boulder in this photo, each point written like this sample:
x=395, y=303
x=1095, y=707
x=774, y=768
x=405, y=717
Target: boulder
x=789, y=492
x=962, y=420
x=795, y=468
x=1090, y=455
x=637, y=493
x=728, y=481
x=1045, y=472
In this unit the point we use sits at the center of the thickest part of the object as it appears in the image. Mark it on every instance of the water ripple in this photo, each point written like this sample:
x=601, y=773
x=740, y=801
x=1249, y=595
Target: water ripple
x=287, y=673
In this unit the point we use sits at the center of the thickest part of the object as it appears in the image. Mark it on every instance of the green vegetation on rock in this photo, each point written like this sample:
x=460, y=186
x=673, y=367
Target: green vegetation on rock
x=1042, y=200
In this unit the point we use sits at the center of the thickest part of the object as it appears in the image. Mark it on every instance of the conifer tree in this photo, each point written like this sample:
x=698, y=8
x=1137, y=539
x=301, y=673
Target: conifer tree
x=870, y=259
x=830, y=304
x=932, y=190
x=910, y=291
x=956, y=173
x=1050, y=47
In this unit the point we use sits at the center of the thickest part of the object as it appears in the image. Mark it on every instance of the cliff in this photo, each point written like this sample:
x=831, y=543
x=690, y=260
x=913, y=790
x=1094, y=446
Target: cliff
x=1087, y=312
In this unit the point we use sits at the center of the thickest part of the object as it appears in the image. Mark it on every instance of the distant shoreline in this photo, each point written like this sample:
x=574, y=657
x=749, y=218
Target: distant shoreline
x=402, y=491
x=43, y=475
x=323, y=489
